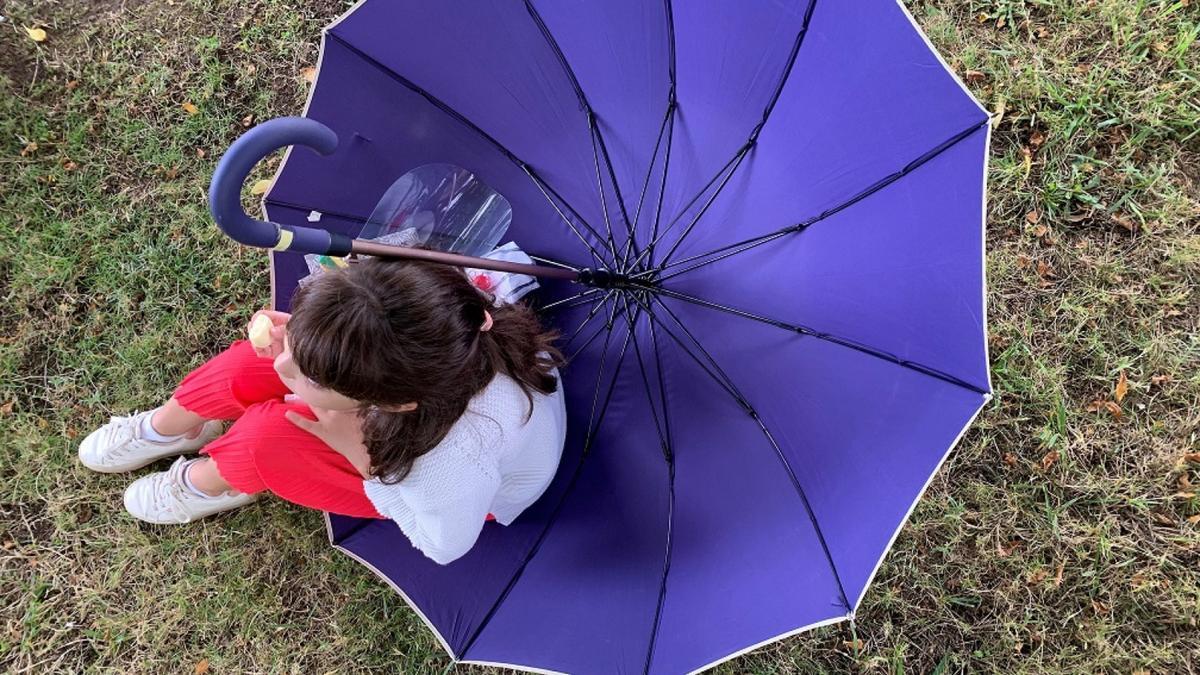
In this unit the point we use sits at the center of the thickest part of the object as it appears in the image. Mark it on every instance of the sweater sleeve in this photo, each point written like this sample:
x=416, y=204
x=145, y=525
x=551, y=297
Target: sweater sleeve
x=442, y=503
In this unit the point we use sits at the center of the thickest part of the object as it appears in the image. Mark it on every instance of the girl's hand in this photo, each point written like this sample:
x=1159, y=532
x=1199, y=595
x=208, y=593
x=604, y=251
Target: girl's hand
x=340, y=430
x=278, y=322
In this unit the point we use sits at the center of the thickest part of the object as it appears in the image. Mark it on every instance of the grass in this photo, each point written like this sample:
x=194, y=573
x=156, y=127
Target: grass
x=1056, y=538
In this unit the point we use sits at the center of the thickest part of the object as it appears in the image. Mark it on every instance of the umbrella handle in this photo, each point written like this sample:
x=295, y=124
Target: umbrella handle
x=225, y=191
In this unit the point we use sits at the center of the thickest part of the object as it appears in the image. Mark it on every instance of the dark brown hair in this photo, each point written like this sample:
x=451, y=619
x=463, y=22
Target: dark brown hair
x=393, y=332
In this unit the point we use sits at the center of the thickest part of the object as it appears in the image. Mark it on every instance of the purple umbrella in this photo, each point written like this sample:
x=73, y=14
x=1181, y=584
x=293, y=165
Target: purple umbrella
x=764, y=224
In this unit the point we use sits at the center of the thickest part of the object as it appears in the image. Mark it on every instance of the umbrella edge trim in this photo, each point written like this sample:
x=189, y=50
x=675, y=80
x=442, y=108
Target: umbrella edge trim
x=904, y=521
x=777, y=638
x=937, y=54
x=412, y=605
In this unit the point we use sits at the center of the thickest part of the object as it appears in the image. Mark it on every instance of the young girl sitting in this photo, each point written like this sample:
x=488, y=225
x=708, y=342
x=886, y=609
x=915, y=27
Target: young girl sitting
x=394, y=390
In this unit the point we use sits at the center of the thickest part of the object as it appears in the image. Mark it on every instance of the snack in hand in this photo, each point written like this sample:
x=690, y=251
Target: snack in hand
x=260, y=331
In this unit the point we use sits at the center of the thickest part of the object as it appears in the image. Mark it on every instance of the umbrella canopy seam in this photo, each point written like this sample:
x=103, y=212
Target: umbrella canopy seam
x=828, y=337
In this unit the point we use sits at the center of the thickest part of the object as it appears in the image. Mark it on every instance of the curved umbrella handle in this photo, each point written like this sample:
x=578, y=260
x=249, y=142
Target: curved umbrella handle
x=225, y=191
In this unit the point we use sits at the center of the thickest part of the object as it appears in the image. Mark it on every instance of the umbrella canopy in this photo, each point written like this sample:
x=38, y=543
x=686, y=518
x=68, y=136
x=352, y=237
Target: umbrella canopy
x=788, y=199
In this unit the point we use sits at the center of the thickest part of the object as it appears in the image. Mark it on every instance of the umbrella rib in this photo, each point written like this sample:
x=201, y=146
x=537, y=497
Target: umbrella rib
x=612, y=244
x=878, y=185
x=658, y=236
x=774, y=444
x=704, y=209
x=592, y=429
x=614, y=312
x=570, y=298
x=669, y=452
x=637, y=214
x=542, y=187
x=462, y=119
x=662, y=187
x=718, y=378
x=752, y=140
x=555, y=263
x=583, y=100
x=658, y=426
x=583, y=324
x=827, y=337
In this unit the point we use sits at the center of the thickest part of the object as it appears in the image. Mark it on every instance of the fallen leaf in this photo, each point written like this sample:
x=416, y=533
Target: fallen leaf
x=309, y=74
x=36, y=34
x=1184, y=495
x=71, y=84
x=1193, y=457
x=190, y=108
x=1044, y=270
x=974, y=76
x=1122, y=388
x=1113, y=409
x=1159, y=380
x=201, y=667
x=1037, y=576
x=1004, y=551
x=1194, y=519
x=70, y=166
x=1058, y=574
x=30, y=148
x=1010, y=459
x=1124, y=222
x=260, y=187
x=1023, y=261
x=248, y=120
x=1078, y=217
x=854, y=645
x=200, y=153
x=1033, y=217
x=171, y=173
x=1049, y=459
x=1037, y=138
x=998, y=115
x=6, y=409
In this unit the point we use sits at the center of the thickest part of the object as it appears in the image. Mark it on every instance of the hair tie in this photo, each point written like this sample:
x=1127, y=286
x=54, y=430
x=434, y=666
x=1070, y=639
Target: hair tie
x=487, y=322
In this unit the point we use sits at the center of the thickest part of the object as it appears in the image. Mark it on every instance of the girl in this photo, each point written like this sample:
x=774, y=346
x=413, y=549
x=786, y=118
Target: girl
x=394, y=390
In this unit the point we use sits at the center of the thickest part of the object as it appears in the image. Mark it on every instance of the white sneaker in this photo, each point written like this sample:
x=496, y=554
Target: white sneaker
x=163, y=498
x=118, y=446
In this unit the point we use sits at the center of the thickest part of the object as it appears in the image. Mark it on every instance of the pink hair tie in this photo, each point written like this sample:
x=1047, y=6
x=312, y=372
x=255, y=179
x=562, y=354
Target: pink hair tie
x=487, y=322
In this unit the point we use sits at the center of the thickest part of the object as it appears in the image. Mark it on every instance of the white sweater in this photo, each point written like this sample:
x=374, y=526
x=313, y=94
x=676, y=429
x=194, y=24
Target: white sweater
x=492, y=461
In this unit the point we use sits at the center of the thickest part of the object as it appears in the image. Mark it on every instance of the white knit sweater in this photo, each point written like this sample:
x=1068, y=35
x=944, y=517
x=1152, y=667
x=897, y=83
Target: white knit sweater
x=492, y=461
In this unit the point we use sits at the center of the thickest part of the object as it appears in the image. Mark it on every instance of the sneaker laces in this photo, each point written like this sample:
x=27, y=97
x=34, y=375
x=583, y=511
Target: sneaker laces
x=118, y=435
x=170, y=493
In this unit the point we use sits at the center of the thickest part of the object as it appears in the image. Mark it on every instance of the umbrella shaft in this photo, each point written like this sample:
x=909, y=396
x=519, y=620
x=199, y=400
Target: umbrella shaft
x=408, y=253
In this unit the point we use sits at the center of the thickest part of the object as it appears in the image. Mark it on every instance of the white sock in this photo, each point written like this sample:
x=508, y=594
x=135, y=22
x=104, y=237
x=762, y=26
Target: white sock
x=187, y=482
x=148, y=432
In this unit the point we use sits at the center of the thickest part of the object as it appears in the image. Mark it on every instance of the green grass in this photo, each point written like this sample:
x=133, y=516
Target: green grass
x=1055, y=539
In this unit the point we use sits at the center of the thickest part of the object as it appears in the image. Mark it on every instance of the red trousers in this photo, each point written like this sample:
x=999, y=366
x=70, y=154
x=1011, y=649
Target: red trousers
x=262, y=450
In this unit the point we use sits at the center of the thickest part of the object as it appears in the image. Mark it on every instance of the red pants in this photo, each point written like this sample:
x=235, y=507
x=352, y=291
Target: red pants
x=262, y=450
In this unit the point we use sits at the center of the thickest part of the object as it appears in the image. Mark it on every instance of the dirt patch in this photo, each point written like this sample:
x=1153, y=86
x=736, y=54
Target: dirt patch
x=24, y=524
x=19, y=55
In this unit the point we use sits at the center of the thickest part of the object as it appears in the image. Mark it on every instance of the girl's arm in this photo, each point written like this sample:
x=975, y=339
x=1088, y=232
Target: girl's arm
x=340, y=430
